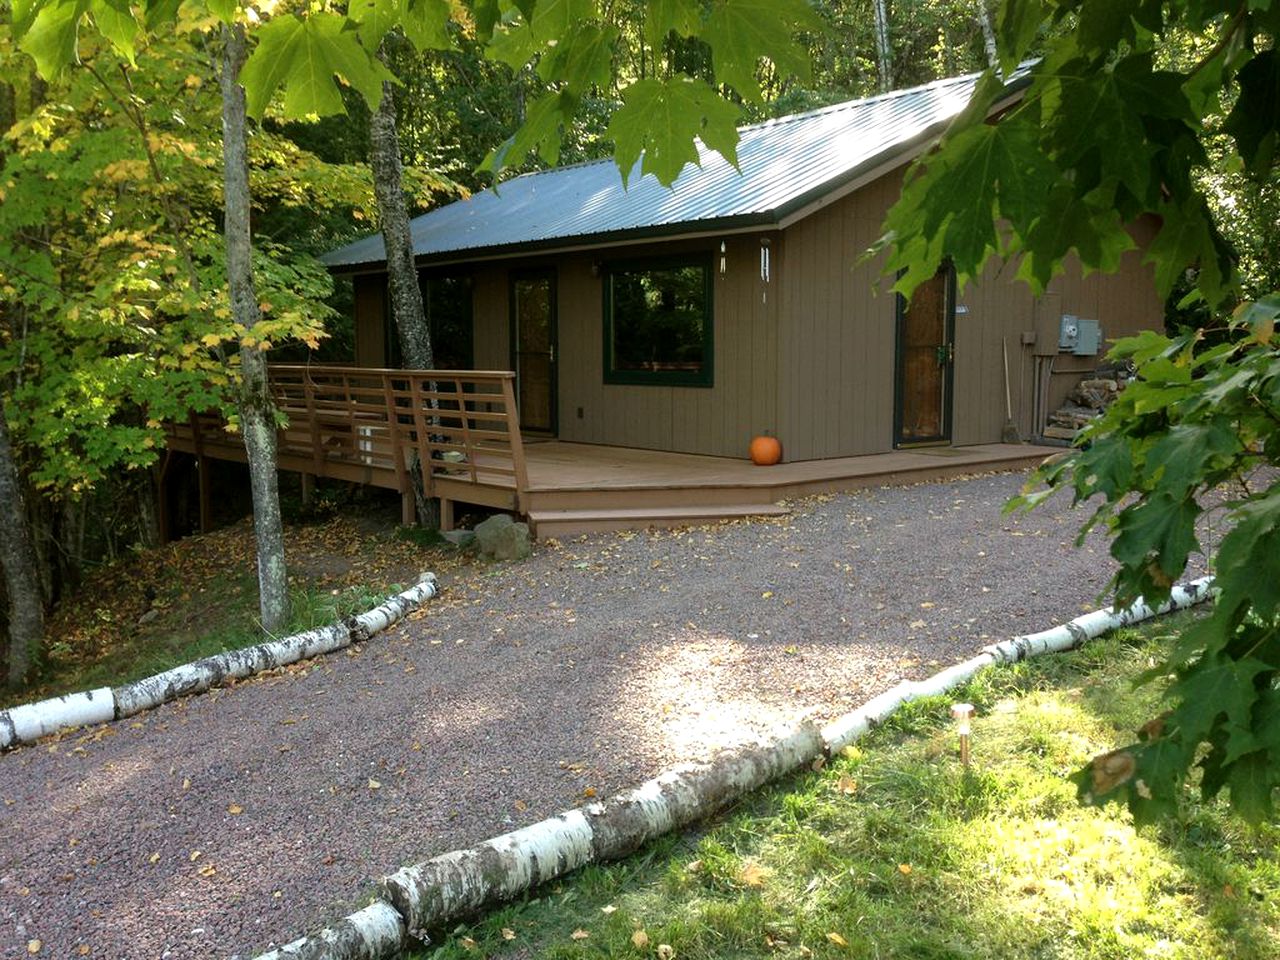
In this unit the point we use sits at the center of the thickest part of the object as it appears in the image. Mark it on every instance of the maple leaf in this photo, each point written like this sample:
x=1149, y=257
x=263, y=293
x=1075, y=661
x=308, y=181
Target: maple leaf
x=838, y=940
x=752, y=874
x=640, y=939
x=579, y=934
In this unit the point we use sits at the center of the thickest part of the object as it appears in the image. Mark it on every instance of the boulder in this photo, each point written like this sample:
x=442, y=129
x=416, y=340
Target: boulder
x=501, y=538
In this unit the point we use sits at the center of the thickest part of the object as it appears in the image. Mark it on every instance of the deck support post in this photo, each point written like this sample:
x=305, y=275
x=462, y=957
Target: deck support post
x=446, y=514
x=408, y=508
x=204, y=471
x=308, y=486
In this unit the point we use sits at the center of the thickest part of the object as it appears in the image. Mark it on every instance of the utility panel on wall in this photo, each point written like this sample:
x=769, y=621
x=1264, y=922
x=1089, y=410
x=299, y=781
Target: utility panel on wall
x=1079, y=336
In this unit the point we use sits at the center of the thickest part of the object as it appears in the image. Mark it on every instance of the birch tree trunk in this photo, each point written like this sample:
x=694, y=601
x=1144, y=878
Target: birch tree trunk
x=988, y=34
x=407, y=308
x=257, y=412
x=18, y=557
x=884, y=53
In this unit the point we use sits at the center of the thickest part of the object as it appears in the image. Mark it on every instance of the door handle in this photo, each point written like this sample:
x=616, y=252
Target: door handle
x=946, y=353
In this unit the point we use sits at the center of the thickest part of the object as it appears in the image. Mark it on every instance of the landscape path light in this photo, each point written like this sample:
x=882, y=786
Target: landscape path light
x=963, y=713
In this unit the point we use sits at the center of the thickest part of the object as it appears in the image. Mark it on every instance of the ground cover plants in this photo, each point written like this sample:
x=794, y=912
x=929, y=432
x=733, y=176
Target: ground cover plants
x=894, y=850
x=156, y=609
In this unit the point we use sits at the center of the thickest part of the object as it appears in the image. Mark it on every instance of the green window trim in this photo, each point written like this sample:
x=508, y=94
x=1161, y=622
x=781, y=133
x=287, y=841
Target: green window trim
x=703, y=376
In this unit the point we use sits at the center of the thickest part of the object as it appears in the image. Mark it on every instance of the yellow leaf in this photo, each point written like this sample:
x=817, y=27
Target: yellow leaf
x=374, y=784
x=83, y=949
x=579, y=934
x=608, y=909
x=195, y=855
x=235, y=809
x=521, y=806
x=838, y=940
x=468, y=943
x=666, y=951
x=639, y=939
x=154, y=858
x=33, y=946
x=508, y=933
x=846, y=784
x=186, y=783
x=752, y=874
x=766, y=595
x=211, y=339
x=589, y=792
x=904, y=869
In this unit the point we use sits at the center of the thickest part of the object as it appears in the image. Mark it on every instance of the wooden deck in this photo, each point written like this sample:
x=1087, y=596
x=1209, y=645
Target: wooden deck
x=579, y=488
x=378, y=426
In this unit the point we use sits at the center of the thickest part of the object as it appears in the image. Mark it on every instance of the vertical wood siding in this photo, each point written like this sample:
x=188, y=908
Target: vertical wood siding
x=370, y=320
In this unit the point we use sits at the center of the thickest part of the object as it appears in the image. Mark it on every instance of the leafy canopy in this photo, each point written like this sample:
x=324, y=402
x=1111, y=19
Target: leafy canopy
x=1116, y=122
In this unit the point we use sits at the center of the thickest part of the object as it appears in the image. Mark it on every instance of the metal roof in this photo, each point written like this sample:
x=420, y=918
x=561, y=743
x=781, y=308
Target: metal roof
x=784, y=164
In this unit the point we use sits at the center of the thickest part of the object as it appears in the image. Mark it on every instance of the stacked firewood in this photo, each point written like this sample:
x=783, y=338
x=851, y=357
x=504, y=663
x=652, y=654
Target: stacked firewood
x=1086, y=402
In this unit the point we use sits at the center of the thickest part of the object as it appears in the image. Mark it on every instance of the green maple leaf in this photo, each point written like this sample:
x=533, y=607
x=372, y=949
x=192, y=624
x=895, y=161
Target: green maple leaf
x=582, y=59
x=224, y=10
x=426, y=23
x=1213, y=687
x=552, y=19
x=1249, y=558
x=740, y=32
x=1159, y=525
x=1105, y=467
x=1188, y=453
x=661, y=17
x=1103, y=23
x=1252, y=780
x=117, y=23
x=542, y=129
x=304, y=56
x=1187, y=239
x=1071, y=223
x=660, y=118
x=53, y=34
x=1255, y=118
x=373, y=19
x=1018, y=29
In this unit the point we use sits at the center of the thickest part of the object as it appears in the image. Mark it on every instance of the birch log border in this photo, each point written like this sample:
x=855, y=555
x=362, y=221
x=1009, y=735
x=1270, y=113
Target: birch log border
x=423, y=897
x=28, y=722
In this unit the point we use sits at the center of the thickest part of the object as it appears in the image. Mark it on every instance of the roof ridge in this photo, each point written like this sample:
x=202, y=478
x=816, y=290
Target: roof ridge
x=860, y=101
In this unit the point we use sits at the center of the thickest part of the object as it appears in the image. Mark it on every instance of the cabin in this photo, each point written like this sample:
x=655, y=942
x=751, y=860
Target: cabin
x=631, y=339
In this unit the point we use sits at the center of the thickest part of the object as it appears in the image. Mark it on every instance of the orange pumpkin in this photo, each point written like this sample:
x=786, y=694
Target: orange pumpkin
x=765, y=451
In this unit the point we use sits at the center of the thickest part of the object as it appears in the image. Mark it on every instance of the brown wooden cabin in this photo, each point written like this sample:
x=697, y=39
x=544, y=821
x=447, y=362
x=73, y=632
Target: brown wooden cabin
x=651, y=333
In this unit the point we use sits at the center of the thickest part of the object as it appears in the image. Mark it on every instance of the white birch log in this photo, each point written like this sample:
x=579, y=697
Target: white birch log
x=455, y=884
x=28, y=722
x=374, y=933
x=846, y=729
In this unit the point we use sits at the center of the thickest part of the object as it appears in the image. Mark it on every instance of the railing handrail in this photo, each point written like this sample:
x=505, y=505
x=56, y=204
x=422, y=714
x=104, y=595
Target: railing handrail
x=454, y=432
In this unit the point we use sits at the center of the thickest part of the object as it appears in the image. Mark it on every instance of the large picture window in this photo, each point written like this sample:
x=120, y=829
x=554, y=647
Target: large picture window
x=658, y=322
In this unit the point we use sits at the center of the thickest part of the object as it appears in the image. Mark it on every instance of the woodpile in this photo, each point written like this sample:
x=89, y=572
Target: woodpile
x=1086, y=402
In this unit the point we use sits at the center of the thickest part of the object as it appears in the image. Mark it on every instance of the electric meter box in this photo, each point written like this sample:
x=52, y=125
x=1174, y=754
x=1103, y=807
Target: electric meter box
x=1088, y=338
x=1068, y=331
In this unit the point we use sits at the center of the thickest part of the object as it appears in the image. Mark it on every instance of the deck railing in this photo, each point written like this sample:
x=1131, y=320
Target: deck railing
x=458, y=430
x=459, y=425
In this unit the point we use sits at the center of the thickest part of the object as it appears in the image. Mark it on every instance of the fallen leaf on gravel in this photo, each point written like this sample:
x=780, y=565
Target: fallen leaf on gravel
x=208, y=871
x=927, y=605
x=186, y=783
x=838, y=940
x=846, y=784
x=589, y=792
x=416, y=745
x=639, y=939
x=916, y=624
x=579, y=934
x=154, y=858
x=766, y=595
x=374, y=784
x=610, y=908
x=752, y=874
x=33, y=946
x=195, y=855
x=521, y=806
x=83, y=949
x=235, y=809
x=508, y=933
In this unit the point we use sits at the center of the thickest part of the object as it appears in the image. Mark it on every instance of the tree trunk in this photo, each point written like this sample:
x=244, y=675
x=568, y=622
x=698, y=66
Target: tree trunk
x=257, y=411
x=884, y=53
x=407, y=308
x=988, y=34
x=21, y=579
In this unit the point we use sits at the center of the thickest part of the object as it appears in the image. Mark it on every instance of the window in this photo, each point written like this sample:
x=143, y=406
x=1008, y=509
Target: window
x=658, y=322
x=447, y=301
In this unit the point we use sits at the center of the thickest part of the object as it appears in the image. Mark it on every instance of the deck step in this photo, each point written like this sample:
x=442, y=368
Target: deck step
x=569, y=523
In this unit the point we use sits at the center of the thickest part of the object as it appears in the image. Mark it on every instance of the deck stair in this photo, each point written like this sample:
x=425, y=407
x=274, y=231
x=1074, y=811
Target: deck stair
x=570, y=523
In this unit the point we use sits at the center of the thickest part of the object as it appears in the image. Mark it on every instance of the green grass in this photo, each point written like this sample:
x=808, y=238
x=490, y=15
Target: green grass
x=924, y=860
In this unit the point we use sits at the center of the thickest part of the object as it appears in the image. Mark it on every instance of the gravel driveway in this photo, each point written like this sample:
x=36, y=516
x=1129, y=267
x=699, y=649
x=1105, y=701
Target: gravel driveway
x=230, y=822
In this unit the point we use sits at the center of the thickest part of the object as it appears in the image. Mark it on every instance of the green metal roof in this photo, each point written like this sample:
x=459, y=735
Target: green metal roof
x=785, y=164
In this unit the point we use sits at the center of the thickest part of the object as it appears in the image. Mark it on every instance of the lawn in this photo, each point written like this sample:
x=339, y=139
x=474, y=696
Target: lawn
x=894, y=850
